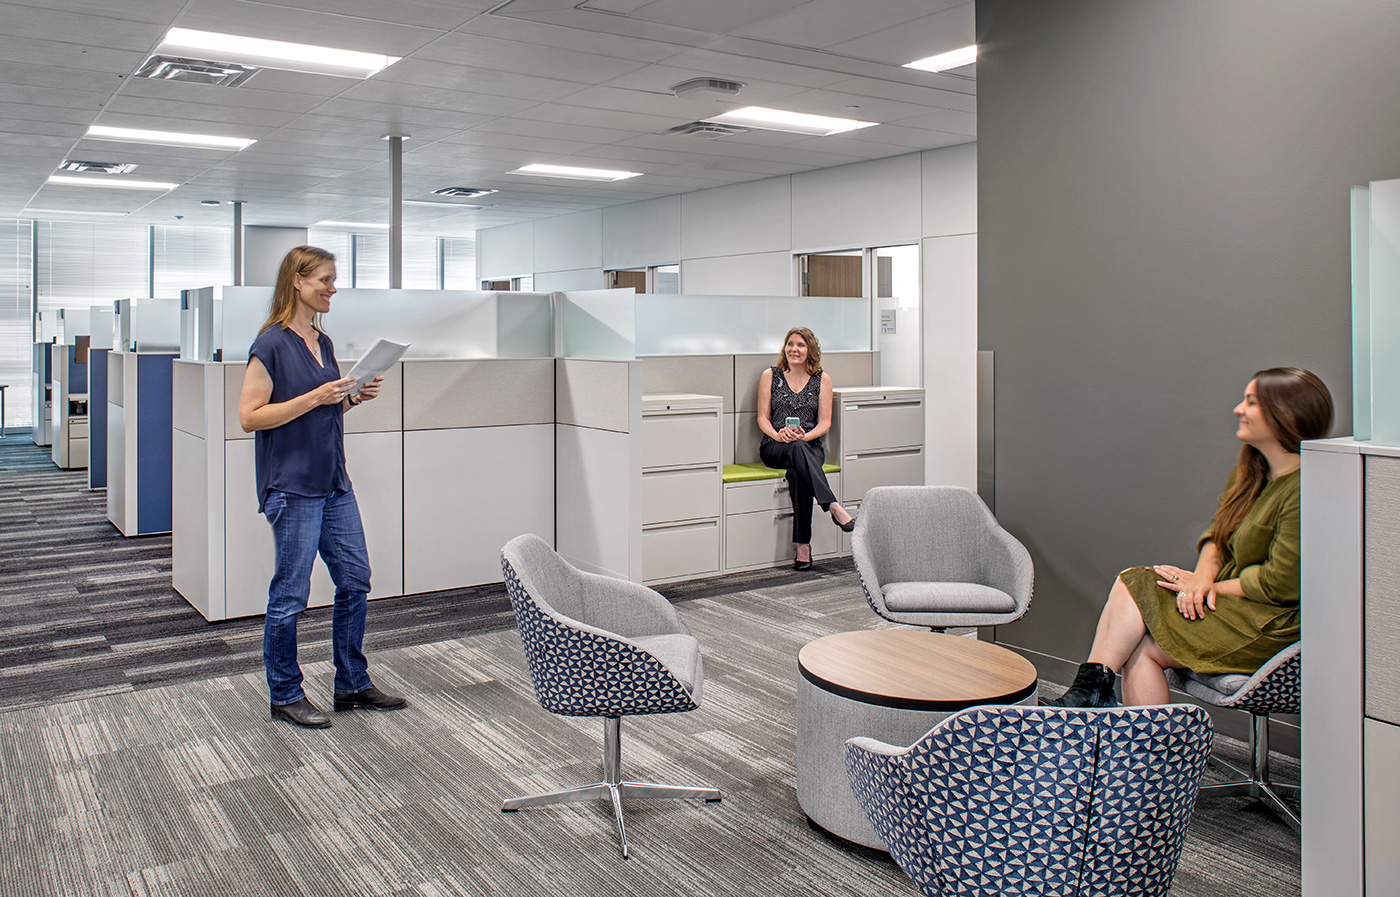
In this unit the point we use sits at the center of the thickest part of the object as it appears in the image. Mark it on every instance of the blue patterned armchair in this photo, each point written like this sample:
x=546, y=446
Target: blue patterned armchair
x=598, y=646
x=1273, y=688
x=999, y=801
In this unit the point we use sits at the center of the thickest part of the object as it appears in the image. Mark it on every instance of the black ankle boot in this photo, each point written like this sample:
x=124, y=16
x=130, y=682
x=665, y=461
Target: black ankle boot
x=1093, y=687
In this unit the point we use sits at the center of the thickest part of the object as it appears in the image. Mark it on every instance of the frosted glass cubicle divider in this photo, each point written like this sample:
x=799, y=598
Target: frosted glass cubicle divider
x=1375, y=275
x=437, y=323
x=454, y=458
x=734, y=325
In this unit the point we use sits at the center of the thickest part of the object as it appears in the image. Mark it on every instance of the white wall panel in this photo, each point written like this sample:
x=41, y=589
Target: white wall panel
x=578, y=279
x=569, y=242
x=950, y=190
x=755, y=216
x=766, y=274
x=640, y=234
x=263, y=249
x=507, y=251
x=950, y=360
x=867, y=204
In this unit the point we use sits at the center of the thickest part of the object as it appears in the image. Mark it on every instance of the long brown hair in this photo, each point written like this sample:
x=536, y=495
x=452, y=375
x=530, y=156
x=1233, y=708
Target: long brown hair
x=1297, y=406
x=301, y=261
x=814, y=351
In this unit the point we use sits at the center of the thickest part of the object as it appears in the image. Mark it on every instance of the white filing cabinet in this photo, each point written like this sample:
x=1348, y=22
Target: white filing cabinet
x=681, y=485
x=877, y=438
x=758, y=525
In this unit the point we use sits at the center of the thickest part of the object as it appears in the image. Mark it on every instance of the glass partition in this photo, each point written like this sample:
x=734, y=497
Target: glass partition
x=599, y=323
x=148, y=325
x=1383, y=296
x=436, y=323
x=714, y=325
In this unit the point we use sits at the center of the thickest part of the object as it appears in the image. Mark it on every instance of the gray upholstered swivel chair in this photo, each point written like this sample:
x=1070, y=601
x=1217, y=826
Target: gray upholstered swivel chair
x=598, y=646
x=1274, y=688
x=1038, y=800
x=935, y=556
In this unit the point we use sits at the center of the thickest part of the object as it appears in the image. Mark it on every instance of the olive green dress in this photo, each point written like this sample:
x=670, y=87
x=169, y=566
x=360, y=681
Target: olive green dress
x=1241, y=633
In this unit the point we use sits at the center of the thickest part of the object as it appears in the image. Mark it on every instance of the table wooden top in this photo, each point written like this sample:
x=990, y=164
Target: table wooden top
x=914, y=669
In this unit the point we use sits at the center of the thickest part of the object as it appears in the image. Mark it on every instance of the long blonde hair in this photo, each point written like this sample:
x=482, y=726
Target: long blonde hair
x=1296, y=405
x=814, y=351
x=301, y=261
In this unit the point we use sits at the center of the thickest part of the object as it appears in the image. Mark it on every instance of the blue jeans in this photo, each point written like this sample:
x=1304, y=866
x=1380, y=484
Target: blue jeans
x=300, y=527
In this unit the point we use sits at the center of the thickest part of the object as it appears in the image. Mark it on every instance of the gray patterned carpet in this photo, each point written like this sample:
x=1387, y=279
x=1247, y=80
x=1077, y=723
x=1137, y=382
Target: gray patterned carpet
x=127, y=787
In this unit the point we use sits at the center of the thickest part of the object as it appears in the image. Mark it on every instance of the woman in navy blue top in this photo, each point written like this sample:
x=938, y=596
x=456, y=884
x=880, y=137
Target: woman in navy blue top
x=294, y=401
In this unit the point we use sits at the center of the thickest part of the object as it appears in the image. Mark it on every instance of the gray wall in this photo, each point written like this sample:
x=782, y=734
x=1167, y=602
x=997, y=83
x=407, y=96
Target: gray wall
x=1163, y=210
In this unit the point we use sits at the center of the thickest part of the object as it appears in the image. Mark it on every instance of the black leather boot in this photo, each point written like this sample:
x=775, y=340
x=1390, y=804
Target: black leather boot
x=1093, y=687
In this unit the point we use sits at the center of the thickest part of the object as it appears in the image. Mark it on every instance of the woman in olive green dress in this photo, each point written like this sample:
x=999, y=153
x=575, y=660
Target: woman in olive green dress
x=1240, y=606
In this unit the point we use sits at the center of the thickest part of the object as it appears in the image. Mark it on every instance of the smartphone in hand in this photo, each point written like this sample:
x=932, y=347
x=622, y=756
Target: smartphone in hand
x=795, y=423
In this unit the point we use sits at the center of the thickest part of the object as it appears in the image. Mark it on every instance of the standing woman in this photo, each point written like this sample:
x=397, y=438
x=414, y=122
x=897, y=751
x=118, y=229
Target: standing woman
x=796, y=387
x=294, y=400
x=1241, y=605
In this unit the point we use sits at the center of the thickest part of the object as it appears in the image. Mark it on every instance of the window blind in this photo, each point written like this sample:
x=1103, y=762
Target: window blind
x=191, y=257
x=81, y=264
x=16, y=321
x=459, y=264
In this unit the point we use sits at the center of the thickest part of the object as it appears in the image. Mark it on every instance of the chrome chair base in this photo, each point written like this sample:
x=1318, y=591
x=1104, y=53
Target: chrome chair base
x=612, y=787
x=1256, y=783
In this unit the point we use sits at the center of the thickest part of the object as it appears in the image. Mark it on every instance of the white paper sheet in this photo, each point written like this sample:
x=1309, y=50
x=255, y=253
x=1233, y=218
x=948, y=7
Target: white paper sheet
x=381, y=356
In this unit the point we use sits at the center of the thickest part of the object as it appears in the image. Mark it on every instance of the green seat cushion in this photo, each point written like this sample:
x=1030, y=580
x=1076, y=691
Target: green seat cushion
x=755, y=471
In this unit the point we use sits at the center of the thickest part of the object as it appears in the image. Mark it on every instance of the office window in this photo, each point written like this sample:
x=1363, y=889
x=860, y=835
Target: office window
x=16, y=321
x=420, y=262
x=83, y=264
x=337, y=243
x=190, y=257
x=666, y=279
x=458, y=264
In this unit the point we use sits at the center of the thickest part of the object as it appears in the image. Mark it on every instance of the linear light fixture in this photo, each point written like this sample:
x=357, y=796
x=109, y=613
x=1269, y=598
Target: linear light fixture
x=352, y=224
x=42, y=212
x=943, y=61
x=578, y=174
x=276, y=54
x=792, y=122
x=167, y=138
x=120, y=184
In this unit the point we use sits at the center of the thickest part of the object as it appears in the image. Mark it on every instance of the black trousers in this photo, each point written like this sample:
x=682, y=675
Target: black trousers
x=803, y=463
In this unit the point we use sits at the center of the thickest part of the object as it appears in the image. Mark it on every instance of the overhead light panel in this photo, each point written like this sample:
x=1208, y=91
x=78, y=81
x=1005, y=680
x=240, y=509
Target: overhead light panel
x=352, y=224
x=120, y=184
x=578, y=174
x=37, y=213
x=792, y=122
x=167, y=138
x=275, y=53
x=943, y=61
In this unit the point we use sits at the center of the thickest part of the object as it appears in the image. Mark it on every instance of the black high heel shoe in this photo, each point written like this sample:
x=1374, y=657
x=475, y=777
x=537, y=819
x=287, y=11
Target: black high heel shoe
x=846, y=527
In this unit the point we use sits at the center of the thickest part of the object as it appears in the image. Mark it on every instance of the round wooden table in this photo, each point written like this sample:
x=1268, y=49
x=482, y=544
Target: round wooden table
x=892, y=685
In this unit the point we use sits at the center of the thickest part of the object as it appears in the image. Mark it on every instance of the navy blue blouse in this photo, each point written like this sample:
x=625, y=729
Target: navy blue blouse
x=305, y=456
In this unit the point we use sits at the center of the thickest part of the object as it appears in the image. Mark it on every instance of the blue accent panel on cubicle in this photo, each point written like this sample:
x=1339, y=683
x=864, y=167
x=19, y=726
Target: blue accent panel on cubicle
x=77, y=370
x=97, y=418
x=154, y=427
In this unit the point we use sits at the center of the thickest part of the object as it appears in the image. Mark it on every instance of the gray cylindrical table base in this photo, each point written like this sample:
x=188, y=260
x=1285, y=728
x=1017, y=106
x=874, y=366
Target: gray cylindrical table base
x=825, y=721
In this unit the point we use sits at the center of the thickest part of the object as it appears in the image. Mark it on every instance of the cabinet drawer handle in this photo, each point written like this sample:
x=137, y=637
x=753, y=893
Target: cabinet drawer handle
x=885, y=453
x=908, y=403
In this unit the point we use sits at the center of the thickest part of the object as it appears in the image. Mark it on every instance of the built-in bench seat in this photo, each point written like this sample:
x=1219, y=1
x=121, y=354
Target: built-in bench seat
x=756, y=470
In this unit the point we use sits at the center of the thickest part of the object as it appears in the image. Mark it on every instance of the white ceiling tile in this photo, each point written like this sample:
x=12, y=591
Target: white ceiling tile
x=454, y=76
x=938, y=32
x=713, y=16
x=949, y=92
x=823, y=23
x=435, y=98
x=527, y=59
x=111, y=31
x=183, y=115
x=252, y=19
x=209, y=96
x=601, y=118
x=438, y=14
x=601, y=40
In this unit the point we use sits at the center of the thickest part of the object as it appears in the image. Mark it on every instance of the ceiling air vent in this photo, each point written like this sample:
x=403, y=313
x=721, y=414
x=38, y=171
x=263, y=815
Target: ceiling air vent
x=706, y=88
x=464, y=192
x=196, y=71
x=104, y=167
x=709, y=129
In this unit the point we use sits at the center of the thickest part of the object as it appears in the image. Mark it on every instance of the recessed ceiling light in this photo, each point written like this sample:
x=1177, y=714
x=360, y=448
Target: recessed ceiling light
x=581, y=174
x=166, y=138
x=41, y=212
x=120, y=184
x=352, y=224
x=792, y=122
x=943, y=61
x=277, y=54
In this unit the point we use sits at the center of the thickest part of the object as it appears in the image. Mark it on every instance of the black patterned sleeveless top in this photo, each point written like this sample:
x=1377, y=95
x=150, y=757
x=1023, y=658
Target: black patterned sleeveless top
x=784, y=403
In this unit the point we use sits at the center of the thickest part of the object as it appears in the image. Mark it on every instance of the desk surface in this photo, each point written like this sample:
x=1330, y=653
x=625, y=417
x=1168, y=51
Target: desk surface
x=913, y=669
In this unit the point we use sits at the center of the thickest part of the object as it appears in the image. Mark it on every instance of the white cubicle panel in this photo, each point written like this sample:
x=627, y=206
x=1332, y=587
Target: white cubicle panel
x=467, y=492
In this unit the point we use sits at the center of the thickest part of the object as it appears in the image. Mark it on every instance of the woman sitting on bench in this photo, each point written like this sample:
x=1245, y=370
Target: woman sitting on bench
x=794, y=413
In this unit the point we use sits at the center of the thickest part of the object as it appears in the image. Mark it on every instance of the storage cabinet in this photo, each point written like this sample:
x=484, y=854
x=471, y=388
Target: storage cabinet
x=758, y=525
x=681, y=449
x=877, y=436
